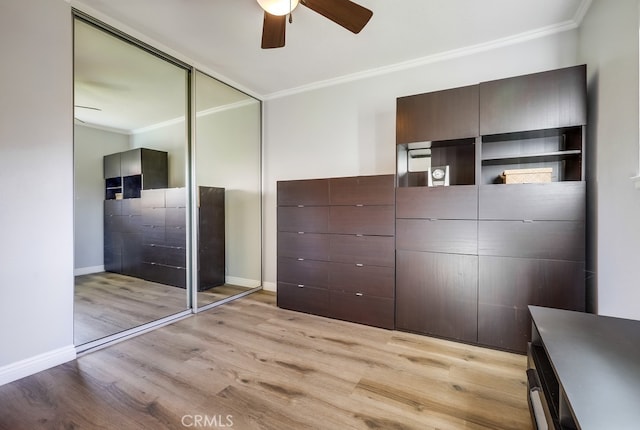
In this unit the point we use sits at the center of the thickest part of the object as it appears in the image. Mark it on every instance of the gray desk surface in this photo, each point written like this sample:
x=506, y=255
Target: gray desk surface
x=597, y=362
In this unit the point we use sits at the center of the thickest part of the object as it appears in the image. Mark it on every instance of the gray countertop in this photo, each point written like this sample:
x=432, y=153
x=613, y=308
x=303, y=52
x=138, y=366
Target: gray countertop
x=597, y=362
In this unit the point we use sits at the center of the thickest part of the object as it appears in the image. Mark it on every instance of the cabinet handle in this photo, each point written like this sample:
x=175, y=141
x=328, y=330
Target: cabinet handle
x=359, y=206
x=301, y=232
x=359, y=265
x=300, y=206
x=433, y=219
x=527, y=221
x=300, y=259
x=359, y=294
x=300, y=285
x=359, y=235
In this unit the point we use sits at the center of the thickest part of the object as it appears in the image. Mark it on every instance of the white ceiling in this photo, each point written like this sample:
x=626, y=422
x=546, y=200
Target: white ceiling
x=224, y=35
x=134, y=89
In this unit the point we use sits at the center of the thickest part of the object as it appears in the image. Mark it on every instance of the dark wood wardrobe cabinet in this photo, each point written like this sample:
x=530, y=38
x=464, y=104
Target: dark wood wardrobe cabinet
x=471, y=256
x=336, y=248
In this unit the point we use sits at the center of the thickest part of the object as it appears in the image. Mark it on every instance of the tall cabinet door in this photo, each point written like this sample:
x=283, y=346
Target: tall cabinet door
x=437, y=294
x=440, y=115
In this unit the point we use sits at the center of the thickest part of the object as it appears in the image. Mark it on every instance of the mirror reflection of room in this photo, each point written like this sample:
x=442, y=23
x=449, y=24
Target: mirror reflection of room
x=228, y=178
x=130, y=146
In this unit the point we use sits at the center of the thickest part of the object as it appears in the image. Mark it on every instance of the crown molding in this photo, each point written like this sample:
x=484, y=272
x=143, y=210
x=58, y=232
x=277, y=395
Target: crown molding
x=581, y=12
x=102, y=127
x=439, y=57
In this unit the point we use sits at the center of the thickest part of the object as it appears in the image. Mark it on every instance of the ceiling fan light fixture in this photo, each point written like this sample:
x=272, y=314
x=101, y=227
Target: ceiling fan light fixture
x=278, y=7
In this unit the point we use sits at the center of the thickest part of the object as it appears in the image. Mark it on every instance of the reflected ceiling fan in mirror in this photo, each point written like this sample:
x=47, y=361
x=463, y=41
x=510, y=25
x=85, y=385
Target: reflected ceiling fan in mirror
x=345, y=13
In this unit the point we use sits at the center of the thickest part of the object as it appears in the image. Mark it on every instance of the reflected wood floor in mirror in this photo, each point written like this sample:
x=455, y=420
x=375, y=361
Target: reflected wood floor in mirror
x=107, y=303
x=255, y=366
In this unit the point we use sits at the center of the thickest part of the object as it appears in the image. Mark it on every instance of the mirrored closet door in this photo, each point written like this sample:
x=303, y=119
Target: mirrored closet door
x=227, y=160
x=131, y=181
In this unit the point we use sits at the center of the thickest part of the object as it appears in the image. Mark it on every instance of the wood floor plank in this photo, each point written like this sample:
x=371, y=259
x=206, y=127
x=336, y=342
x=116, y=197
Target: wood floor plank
x=268, y=368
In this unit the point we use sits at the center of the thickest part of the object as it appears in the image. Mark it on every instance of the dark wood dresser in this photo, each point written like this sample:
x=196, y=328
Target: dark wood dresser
x=336, y=248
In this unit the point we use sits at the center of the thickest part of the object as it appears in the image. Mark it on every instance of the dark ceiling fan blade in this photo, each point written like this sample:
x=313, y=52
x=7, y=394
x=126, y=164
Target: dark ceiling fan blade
x=273, y=31
x=346, y=13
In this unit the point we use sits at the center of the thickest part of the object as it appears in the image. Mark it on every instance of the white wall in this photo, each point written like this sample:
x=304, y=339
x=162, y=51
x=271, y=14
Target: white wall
x=36, y=168
x=90, y=146
x=349, y=129
x=172, y=139
x=609, y=45
x=228, y=155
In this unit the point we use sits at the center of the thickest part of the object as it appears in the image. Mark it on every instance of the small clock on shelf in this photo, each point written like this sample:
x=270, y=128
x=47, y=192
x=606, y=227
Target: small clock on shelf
x=438, y=176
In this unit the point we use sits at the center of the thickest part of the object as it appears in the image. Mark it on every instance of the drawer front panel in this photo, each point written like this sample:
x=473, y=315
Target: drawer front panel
x=553, y=240
x=170, y=256
x=131, y=207
x=449, y=236
x=363, y=309
x=113, y=207
x=307, y=299
x=308, y=219
x=362, y=190
x=153, y=234
x=555, y=201
x=372, y=220
x=175, y=236
x=370, y=280
x=312, y=192
x=308, y=246
x=113, y=224
x=154, y=216
x=367, y=250
x=303, y=272
x=459, y=202
x=167, y=275
x=175, y=217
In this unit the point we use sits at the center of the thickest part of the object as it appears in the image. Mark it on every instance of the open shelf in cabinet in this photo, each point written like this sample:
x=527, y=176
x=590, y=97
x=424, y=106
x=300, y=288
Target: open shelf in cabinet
x=113, y=186
x=414, y=160
x=559, y=149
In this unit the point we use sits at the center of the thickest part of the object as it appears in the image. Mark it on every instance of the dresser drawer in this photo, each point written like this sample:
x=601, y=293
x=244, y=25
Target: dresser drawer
x=448, y=236
x=170, y=256
x=362, y=308
x=304, y=299
x=154, y=216
x=131, y=207
x=308, y=219
x=175, y=236
x=367, y=250
x=153, y=234
x=553, y=240
x=459, y=202
x=310, y=246
x=362, y=190
x=556, y=201
x=168, y=275
x=372, y=220
x=113, y=207
x=175, y=217
x=303, y=272
x=358, y=278
x=308, y=192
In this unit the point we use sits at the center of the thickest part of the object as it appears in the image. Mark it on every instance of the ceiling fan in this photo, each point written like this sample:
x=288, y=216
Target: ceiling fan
x=345, y=13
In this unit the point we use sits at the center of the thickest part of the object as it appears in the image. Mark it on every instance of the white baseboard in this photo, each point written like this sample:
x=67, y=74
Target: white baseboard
x=88, y=270
x=29, y=366
x=242, y=282
x=269, y=286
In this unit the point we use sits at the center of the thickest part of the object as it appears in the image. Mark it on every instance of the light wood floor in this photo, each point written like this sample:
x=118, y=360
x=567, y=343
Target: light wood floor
x=107, y=303
x=268, y=368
